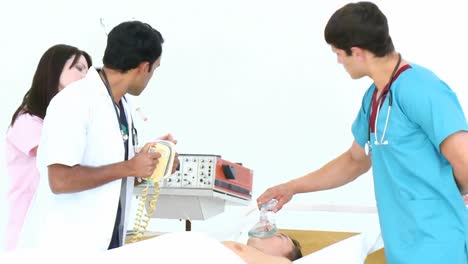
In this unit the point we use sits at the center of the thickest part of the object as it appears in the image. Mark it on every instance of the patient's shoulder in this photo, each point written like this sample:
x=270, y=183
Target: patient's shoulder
x=236, y=246
x=252, y=255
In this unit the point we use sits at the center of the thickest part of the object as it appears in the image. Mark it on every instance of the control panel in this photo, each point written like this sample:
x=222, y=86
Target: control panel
x=199, y=171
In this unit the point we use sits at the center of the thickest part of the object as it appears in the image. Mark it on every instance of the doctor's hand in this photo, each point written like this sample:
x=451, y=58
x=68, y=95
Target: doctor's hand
x=283, y=193
x=144, y=163
x=466, y=199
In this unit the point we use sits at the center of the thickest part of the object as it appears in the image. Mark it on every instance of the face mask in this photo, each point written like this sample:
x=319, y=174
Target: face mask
x=266, y=225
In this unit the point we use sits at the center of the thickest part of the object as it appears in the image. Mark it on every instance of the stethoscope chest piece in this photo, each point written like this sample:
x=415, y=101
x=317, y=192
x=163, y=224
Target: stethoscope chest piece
x=367, y=148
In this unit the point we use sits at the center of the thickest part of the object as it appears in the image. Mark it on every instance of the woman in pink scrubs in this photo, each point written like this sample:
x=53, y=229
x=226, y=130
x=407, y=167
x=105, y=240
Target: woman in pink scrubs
x=59, y=66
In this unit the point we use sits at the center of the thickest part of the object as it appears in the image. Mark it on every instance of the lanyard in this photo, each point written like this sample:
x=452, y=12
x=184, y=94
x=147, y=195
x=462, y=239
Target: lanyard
x=122, y=127
x=381, y=99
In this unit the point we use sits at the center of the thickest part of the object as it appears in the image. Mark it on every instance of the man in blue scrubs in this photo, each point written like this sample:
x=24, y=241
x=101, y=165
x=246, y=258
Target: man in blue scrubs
x=412, y=130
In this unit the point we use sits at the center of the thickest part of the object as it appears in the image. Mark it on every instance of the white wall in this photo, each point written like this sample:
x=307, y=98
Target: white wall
x=251, y=80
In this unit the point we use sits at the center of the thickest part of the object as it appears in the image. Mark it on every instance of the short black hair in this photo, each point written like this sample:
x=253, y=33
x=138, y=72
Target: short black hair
x=131, y=43
x=296, y=252
x=362, y=25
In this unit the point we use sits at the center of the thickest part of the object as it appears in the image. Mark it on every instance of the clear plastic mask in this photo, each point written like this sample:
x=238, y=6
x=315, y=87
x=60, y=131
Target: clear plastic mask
x=266, y=225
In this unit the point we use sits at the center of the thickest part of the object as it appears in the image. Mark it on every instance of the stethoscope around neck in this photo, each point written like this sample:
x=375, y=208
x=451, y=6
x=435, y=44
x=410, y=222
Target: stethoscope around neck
x=122, y=132
x=382, y=140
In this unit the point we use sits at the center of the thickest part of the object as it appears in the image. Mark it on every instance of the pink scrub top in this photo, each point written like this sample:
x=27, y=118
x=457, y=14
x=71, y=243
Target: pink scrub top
x=21, y=142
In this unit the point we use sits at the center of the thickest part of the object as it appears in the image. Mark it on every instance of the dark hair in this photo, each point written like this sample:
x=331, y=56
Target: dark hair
x=296, y=252
x=131, y=43
x=360, y=25
x=45, y=83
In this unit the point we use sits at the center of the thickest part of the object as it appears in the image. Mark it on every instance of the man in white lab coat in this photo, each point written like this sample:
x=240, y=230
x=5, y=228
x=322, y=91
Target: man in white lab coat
x=86, y=154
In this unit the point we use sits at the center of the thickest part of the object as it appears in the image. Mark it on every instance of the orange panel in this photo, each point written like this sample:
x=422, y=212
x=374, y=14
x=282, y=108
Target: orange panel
x=241, y=185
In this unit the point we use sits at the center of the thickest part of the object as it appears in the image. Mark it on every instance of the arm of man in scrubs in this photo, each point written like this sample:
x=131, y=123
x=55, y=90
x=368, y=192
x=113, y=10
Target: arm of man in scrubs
x=441, y=116
x=455, y=150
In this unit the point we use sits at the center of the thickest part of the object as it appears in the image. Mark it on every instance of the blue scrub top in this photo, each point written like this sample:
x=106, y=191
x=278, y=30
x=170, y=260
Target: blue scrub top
x=422, y=214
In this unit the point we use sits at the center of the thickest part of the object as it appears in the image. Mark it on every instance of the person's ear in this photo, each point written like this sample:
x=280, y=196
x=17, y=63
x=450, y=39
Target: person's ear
x=358, y=53
x=144, y=67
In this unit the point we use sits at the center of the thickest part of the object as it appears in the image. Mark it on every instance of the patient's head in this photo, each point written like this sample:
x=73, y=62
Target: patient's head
x=277, y=245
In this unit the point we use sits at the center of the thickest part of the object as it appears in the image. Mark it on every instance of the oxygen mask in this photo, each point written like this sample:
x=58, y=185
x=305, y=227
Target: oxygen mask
x=266, y=225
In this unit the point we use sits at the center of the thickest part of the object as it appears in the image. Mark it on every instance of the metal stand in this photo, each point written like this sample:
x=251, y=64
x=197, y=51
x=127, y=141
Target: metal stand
x=188, y=225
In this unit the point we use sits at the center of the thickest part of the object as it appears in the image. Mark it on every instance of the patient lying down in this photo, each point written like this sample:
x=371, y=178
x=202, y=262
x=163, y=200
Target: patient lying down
x=195, y=247
x=279, y=246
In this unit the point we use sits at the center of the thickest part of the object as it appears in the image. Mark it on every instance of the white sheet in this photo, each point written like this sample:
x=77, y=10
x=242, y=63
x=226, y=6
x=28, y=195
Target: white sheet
x=180, y=247
x=185, y=247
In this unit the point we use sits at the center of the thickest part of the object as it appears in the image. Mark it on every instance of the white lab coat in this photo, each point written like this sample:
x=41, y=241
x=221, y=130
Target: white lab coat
x=80, y=128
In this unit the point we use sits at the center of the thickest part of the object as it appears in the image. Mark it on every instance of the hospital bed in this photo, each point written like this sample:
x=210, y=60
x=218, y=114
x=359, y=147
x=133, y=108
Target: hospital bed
x=182, y=247
x=194, y=247
x=351, y=239
x=347, y=241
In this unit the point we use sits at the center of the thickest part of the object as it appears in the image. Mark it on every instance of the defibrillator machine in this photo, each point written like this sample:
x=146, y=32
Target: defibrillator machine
x=211, y=172
x=200, y=188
